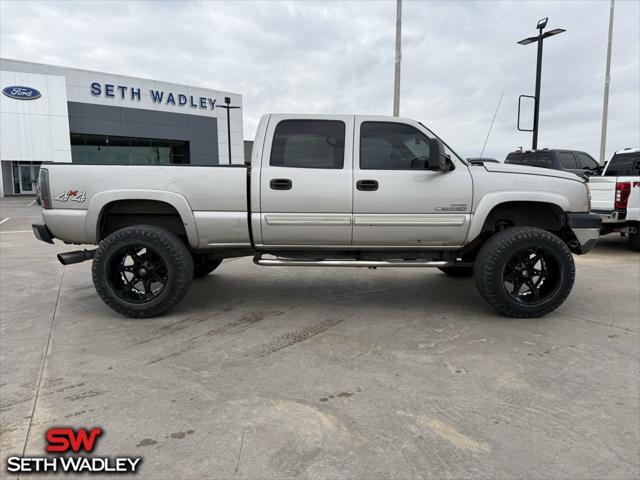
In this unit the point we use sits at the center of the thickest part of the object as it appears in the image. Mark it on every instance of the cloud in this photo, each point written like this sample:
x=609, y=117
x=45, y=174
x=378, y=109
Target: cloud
x=338, y=57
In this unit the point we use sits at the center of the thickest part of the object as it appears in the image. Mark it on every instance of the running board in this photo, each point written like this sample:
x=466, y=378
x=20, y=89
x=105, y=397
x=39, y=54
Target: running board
x=290, y=262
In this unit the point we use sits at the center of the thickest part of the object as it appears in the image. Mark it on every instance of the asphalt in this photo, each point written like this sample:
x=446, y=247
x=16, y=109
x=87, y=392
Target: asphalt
x=323, y=373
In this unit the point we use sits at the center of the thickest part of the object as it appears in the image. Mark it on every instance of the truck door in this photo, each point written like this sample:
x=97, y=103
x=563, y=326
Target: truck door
x=397, y=201
x=305, y=183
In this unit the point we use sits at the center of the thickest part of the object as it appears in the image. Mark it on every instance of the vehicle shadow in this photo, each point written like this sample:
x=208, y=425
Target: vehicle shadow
x=365, y=293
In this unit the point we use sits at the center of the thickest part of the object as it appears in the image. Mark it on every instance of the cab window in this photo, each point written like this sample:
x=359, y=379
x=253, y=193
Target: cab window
x=308, y=144
x=392, y=146
x=567, y=160
x=586, y=161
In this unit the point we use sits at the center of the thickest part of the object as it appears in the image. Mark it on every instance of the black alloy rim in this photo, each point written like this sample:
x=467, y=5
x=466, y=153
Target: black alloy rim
x=137, y=274
x=531, y=276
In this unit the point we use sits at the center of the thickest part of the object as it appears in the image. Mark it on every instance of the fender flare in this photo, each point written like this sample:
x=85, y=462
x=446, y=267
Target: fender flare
x=492, y=200
x=100, y=200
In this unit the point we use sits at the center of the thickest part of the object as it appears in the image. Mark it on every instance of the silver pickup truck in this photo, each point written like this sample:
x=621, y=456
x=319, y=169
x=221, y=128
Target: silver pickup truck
x=324, y=190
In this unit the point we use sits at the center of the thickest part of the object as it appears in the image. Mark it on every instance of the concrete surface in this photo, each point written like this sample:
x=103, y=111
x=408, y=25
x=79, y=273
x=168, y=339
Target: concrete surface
x=324, y=373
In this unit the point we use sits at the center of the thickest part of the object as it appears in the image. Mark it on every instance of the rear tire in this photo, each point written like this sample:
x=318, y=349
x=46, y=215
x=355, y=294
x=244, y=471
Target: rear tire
x=203, y=266
x=524, y=272
x=142, y=271
x=458, y=272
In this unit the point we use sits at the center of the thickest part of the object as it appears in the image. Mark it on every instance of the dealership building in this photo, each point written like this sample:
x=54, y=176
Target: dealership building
x=69, y=115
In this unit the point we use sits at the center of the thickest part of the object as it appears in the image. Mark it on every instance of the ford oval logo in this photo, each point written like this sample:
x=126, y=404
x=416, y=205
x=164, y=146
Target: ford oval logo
x=21, y=93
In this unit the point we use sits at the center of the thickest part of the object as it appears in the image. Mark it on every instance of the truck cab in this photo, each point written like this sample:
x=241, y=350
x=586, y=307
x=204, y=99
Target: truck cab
x=356, y=182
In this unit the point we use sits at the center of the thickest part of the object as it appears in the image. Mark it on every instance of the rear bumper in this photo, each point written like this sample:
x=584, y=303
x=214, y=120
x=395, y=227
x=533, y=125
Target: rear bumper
x=41, y=232
x=586, y=228
x=612, y=216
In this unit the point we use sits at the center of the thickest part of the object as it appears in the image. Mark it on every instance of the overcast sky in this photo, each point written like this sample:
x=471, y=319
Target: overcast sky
x=338, y=57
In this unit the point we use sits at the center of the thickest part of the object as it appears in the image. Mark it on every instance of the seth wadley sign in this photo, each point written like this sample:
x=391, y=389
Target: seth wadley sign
x=157, y=96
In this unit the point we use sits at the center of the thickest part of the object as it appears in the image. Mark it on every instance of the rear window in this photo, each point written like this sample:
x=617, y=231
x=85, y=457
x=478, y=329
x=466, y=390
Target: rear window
x=514, y=158
x=530, y=159
x=623, y=165
x=537, y=159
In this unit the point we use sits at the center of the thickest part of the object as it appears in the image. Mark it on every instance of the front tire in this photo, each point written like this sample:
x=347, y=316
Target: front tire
x=524, y=272
x=142, y=271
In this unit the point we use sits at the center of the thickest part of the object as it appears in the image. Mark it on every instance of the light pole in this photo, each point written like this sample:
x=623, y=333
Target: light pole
x=607, y=80
x=396, y=80
x=526, y=41
x=227, y=107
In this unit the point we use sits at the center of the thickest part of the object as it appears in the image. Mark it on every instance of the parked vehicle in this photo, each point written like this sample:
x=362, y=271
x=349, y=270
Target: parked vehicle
x=573, y=161
x=324, y=190
x=616, y=195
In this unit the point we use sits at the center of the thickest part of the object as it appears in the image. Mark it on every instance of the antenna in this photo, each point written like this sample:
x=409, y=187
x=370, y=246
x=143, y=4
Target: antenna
x=491, y=126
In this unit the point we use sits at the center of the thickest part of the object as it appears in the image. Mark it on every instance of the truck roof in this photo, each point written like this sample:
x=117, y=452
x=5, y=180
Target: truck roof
x=628, y=150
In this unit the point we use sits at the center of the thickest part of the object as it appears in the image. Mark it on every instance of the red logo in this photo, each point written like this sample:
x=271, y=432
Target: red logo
x=64, y=439
x=72, y=193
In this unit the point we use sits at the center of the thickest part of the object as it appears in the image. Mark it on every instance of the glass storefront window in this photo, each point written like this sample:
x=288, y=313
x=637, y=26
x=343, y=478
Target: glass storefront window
x=102, y=149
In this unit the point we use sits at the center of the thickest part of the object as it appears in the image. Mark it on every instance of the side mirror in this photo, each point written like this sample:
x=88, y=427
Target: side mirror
x=438, y=159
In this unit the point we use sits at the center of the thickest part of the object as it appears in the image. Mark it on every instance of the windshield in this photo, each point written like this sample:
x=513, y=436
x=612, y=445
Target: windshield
x=623, y=165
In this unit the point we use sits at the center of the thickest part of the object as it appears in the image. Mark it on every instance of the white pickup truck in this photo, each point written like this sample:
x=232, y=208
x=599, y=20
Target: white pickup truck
x=616, y=195
x=324, y=190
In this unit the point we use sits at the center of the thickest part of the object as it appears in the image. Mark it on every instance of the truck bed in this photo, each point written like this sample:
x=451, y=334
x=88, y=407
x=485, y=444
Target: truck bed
x=213, y=199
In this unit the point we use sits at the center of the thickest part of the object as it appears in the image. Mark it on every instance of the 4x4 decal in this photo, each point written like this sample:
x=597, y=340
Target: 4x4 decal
x=73, y=195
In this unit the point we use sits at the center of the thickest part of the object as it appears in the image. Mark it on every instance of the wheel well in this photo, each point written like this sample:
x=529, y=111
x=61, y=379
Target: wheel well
x=530, y=214
x=125, y=213
x=546, y=216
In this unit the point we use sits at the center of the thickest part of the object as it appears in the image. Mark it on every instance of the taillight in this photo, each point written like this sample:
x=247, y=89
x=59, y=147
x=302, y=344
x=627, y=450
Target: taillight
x=43, y=185
x=623, y=190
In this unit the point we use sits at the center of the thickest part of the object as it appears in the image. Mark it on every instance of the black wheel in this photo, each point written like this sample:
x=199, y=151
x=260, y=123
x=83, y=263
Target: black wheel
x=457, y=271
x=524, y=272
x=634, y=238
x=142, y=271
x=203, y=265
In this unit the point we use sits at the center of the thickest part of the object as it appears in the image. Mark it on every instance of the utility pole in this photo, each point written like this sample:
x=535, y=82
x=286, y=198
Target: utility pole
x=607, y=80
x=396, y=83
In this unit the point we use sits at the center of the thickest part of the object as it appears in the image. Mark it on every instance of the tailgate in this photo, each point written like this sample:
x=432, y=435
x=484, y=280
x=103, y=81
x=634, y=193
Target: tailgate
x=603, y=191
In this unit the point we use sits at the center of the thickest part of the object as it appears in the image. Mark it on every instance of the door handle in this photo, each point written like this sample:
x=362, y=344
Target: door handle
x=280, y=184
x=367, y=185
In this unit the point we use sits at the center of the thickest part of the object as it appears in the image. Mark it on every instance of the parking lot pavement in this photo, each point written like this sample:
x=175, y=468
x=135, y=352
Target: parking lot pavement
x=324, y=373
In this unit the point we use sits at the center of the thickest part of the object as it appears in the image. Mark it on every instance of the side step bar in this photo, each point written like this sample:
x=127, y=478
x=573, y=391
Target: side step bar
x=290, y=262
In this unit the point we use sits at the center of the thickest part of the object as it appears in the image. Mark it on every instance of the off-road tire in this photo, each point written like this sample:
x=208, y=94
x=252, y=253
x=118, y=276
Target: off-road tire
x=634, y=238
x=458, y=272
x=203, y=266
x=499, y=249
x=173, y=252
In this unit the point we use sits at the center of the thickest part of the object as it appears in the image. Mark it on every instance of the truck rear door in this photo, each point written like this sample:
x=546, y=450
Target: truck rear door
x=305, y=181
x=397, y=202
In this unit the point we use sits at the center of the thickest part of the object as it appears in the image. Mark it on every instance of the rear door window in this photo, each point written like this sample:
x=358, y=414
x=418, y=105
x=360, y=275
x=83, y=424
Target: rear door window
x=308, y=144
